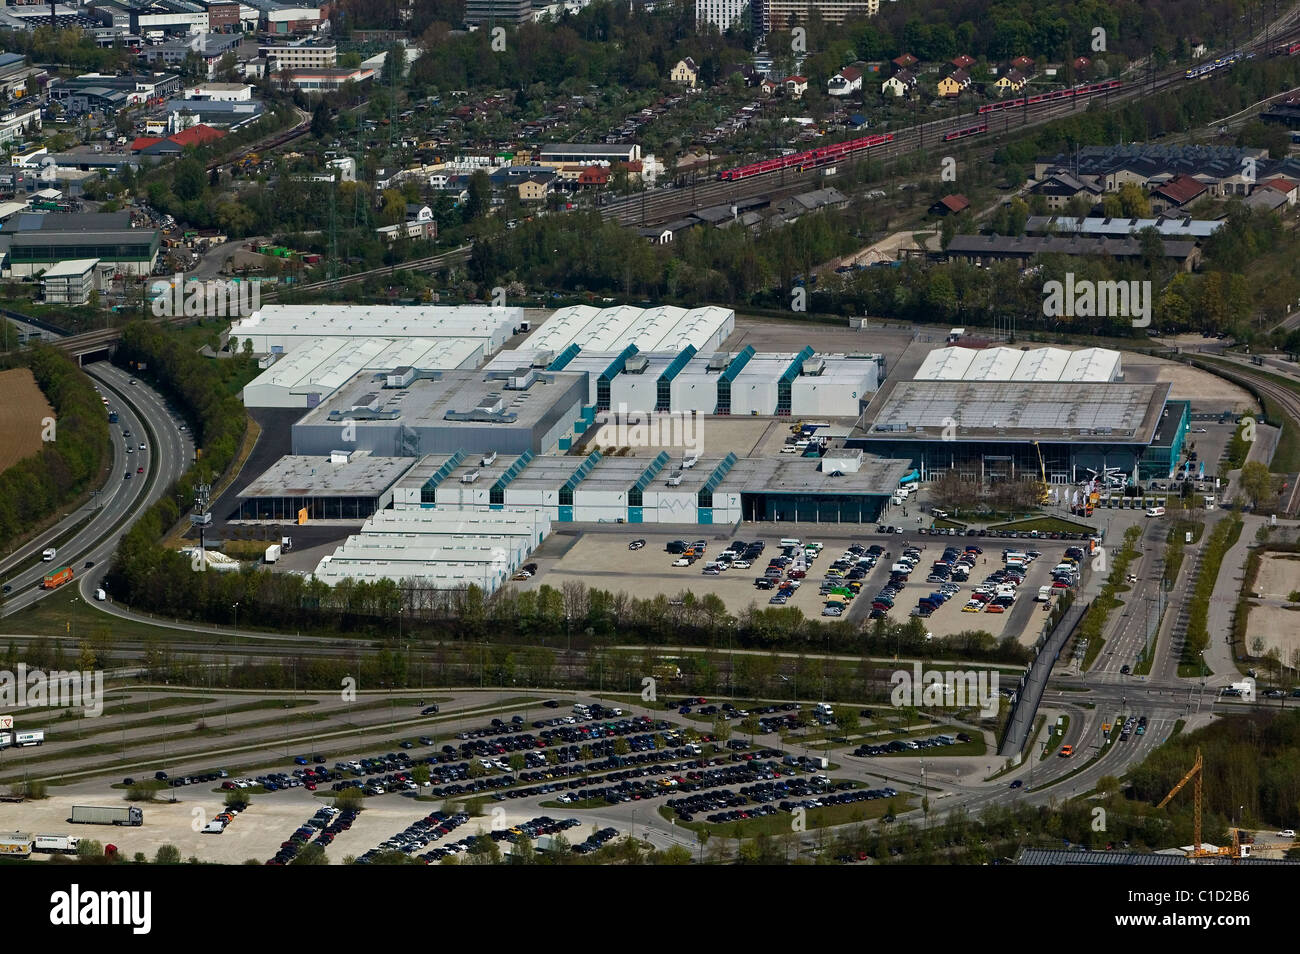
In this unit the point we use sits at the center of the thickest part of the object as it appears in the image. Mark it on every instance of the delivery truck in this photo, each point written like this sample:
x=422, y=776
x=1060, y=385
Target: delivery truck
x=100, y=815
x=1044, y=594
x=58, y=844
x=30, y=737
x=273, y=552
x=15, y=844
x=56, y=579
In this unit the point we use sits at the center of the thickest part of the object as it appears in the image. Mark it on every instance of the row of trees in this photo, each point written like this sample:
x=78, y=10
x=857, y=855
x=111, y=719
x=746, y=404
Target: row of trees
x=73, y=450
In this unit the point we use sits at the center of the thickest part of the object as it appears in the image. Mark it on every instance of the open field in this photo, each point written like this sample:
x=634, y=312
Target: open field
x=22, y=407
x=1279, y=575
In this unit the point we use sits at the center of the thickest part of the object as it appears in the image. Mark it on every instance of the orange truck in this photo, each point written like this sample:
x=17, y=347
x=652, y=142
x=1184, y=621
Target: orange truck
x=56, y=579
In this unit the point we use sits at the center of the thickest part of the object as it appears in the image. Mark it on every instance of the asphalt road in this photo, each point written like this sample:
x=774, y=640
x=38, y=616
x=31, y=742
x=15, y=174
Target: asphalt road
x=143, y=413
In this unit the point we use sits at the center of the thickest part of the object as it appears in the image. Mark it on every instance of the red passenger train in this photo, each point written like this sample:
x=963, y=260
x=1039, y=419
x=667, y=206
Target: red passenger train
x=963, y=133
x=1074, y=92
x=809, y=159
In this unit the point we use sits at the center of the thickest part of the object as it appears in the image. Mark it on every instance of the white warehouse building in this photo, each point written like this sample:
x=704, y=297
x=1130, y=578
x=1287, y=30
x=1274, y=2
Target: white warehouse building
x=274, y=329
x=665, y=328
x=745, y=382
x=1087, y=365
x=311, y=373
x=443, y=549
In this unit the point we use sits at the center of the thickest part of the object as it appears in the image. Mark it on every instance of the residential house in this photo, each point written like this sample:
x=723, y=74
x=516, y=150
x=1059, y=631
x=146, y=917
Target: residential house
x=899, y=84
x=1081, y=65
x=963, y=62
x=796, y=86
x=410, y=229
x=415, y=212
x=594, y=177
x=1269, y=199
x=1012, y=81
x=1059, y=188
x=1222, y=170
x=533, y=188
x=1178, y=192
x=1196, y=46
x=685, y=72
x=954, y=84
x=844, y=83
x=787, y=210
x=951, y=205
x=904, y=62
x=1287, y=187
x=770, y=87
x=663, y=234
x=1023, y=63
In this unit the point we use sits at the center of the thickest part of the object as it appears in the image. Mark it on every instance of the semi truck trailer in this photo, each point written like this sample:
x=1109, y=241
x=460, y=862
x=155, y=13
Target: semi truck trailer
x=97, y=815
x=15, y=844
x=58, y=844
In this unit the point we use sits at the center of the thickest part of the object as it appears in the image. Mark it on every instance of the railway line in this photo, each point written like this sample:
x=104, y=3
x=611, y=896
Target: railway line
x=993, y=121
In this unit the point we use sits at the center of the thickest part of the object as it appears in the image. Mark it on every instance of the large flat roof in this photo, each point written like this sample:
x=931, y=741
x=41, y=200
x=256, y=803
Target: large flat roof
x=1016, y=410
x=424, y=402
x=377, y=321
x=299, y=476
x=651, y=329
x=1016, y=364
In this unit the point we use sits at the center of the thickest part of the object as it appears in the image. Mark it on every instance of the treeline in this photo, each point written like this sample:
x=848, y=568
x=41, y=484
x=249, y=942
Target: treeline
x=1221, y=540
x=206, y=389
x=1251, y=773
x=66, y=47
x=604, y=44
x=68, y=464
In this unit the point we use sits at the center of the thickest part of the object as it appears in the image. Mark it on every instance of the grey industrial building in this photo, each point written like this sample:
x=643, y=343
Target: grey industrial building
x=33, y=241
x=339, y=486
x=405, y=413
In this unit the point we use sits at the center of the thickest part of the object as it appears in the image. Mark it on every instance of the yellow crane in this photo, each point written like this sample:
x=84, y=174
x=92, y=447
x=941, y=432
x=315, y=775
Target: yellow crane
x=1042, y=471
x=1240, y=847
x=1193, y=774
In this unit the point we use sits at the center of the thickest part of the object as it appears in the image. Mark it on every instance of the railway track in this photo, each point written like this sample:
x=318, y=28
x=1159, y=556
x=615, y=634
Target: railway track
x=1285, y=398
x=650, y=209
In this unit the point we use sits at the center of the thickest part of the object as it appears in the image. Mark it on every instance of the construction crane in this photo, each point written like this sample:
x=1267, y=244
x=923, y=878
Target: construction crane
x=1241, y=845
x=1193, y=774
x=1042, y=471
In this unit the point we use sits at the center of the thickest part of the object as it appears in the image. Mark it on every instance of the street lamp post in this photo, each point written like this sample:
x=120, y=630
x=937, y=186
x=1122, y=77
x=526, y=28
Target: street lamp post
x=235, y=607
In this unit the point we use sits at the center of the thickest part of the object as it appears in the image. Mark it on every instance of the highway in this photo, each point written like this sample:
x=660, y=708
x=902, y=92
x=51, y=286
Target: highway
x=142, y=413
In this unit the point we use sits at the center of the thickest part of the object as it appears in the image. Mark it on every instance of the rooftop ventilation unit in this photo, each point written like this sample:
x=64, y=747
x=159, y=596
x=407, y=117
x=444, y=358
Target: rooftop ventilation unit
x=399, y=377
x=543, y=358
x=469, y=476
x=636, y=364
x=675, y=479
x=488, y=459
x=719, y=362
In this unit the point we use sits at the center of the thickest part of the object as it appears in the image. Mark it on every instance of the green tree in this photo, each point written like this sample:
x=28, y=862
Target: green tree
x=167, y=855
x=350, y=799
x=188, y=179
x=311, y=854
x=1256, y=481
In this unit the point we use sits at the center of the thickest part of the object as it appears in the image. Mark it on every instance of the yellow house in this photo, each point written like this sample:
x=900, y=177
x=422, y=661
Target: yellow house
x=953, y=84
x=685, y=72
x=1012, y=81
x=532, y=190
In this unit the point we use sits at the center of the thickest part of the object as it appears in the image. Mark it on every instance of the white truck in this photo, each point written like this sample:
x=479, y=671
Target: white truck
x=102, y=815
x=58, y=844
x=30, y=737
x=273, y=552
x=15, y=844
x=1044, y=594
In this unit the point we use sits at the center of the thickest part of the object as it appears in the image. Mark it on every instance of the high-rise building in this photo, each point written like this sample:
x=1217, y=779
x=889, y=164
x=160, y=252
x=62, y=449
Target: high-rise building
x=483, y=13
x=721, y=13
x=780, y=14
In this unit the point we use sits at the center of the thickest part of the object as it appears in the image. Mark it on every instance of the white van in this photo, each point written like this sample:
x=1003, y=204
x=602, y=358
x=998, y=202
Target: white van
x=1155, y=511
x=101, y=595
x=49, y=555
x=791, y=542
